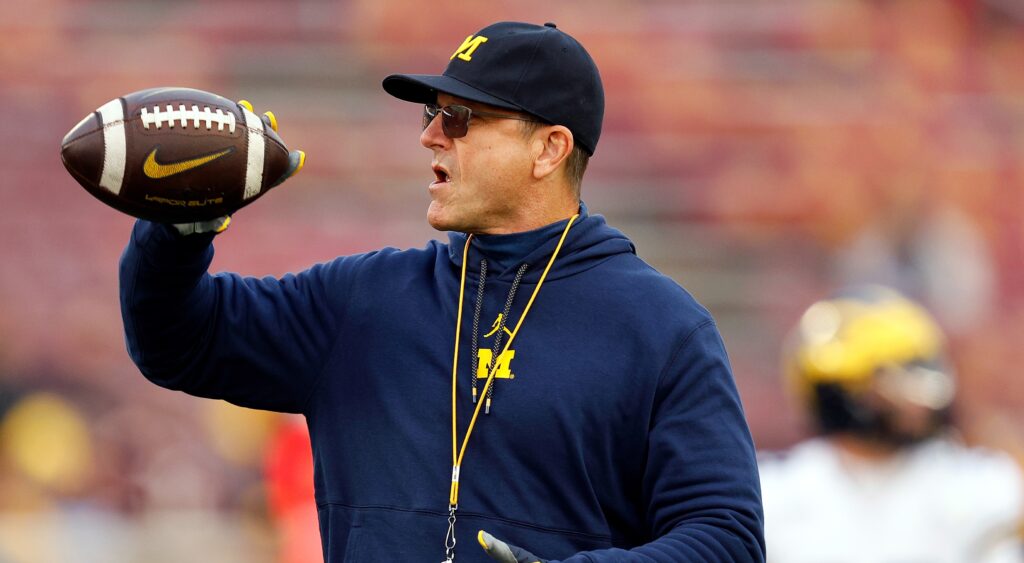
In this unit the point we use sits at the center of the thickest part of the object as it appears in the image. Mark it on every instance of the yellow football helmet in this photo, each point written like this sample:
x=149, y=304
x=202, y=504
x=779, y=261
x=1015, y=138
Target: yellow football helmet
x=868, y=361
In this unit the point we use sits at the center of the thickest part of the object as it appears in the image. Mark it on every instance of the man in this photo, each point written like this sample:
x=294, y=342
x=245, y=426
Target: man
x=886, y=481
x=532, y=378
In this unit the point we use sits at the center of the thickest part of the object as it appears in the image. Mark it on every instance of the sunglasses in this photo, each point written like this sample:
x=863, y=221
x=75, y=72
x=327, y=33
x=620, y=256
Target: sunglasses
x=455, y=118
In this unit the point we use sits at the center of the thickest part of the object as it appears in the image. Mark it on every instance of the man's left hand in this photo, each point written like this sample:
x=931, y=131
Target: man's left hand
x=505, y=553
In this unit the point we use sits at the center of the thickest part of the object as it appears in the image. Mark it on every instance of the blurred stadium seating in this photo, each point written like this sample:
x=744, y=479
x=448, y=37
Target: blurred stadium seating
x=761, y=153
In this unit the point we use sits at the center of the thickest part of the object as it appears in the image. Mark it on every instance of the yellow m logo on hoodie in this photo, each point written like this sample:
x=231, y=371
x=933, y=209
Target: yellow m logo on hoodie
x=503, y=369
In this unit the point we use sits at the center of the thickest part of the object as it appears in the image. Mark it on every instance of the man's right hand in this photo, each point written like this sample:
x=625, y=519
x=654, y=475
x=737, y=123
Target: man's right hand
x=296, y=160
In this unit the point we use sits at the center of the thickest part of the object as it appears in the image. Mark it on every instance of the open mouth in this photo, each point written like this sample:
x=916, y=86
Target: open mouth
x=441, y=175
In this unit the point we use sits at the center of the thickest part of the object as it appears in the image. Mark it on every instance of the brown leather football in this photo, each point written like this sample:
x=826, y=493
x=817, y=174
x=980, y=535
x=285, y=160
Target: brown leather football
x=175, y=155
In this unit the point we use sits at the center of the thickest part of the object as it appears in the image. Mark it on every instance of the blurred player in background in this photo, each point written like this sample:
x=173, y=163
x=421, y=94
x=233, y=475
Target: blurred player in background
x=886, y=480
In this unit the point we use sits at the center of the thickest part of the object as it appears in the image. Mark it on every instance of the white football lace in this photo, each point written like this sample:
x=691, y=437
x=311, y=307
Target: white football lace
x=170, y=115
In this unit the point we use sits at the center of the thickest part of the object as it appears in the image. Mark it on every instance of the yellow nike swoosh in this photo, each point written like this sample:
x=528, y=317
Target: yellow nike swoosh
x=155, y=170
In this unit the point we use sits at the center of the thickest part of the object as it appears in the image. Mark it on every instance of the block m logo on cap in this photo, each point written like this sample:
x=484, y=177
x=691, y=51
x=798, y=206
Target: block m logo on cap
x=465, y=51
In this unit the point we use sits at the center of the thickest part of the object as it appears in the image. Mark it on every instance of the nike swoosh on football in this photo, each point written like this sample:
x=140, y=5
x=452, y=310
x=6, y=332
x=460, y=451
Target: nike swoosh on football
x=155, y=170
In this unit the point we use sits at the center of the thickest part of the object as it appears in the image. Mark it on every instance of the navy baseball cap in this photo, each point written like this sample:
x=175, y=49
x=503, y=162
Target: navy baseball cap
x=537, y=69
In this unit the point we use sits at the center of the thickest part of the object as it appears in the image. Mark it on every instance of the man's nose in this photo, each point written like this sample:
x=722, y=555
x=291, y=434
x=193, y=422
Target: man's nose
x=433, y=135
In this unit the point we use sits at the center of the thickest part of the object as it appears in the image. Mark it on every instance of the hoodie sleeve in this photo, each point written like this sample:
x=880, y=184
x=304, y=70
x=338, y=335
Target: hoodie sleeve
x=701, y=480
x=258, y=343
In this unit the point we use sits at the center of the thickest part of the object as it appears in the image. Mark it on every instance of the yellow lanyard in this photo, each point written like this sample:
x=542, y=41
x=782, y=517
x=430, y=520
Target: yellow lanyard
x=458, y=455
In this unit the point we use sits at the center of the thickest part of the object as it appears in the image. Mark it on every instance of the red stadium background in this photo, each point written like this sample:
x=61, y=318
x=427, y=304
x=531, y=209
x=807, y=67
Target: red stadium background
x=760, y=153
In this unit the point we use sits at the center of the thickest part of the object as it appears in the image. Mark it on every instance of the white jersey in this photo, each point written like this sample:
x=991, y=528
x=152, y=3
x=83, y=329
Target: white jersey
x=939, y=502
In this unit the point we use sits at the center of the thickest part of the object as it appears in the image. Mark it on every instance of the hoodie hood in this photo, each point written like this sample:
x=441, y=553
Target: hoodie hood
x=590, y=241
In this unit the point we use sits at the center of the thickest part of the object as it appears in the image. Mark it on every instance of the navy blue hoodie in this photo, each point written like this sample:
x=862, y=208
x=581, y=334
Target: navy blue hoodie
x=616, y=432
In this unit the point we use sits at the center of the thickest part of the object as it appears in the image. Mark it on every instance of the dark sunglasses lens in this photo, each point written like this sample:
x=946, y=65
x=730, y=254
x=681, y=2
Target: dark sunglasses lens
x=455, y=121
x=429, y=112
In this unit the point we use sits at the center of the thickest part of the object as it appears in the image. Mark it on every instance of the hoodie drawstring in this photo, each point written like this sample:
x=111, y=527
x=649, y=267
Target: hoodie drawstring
x=500, y=335
x=475, y=362
x=499, y=330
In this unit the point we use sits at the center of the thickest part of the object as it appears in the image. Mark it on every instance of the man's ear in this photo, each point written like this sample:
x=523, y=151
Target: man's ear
x=551, y=146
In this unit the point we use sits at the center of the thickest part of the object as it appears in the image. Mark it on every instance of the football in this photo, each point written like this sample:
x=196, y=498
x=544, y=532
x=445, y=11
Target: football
x=175, y=155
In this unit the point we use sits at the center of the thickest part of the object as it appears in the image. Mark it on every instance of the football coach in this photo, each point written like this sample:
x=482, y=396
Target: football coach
x=530, y=390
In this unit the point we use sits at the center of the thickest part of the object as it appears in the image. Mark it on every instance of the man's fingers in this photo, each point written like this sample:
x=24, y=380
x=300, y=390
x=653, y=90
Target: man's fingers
x=495, y=548
x=296, y=158
x=503, y=552
x=270, y=119
x=217, y=226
